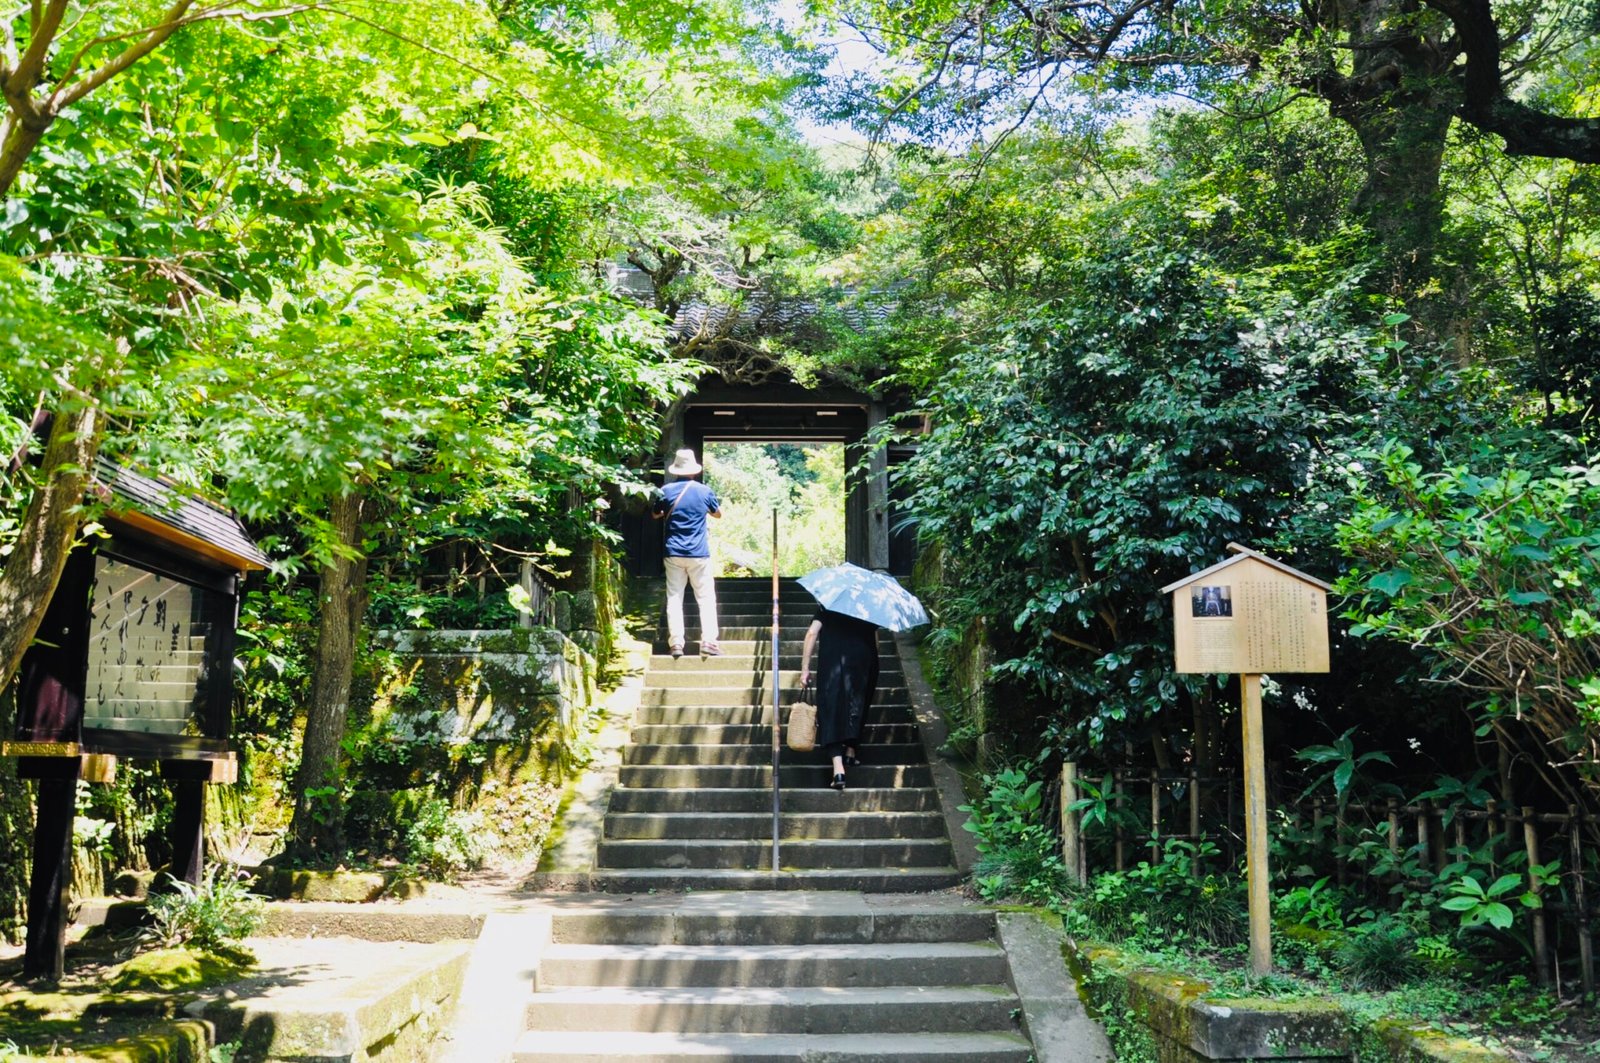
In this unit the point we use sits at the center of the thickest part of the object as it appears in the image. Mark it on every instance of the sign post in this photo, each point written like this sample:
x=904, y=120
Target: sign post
x=1250, y=616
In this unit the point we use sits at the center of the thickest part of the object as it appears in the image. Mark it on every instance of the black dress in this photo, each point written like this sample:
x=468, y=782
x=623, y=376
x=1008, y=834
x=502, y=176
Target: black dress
x=846, y=676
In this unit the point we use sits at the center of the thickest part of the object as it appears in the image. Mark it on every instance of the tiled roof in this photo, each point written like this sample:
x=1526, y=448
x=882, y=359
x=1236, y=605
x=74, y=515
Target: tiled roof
x=183, y=512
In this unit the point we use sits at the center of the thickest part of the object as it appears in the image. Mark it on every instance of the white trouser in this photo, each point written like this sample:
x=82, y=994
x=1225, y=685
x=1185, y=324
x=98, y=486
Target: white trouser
x=695, y=571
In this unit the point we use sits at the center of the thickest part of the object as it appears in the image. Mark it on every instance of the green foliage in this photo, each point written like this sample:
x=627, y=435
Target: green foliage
x=1018, y=854
x=1379, y=954
x=1158, y=905
x=807, y=488
x=1489, y=567
x=1088, y=448
x=1345, y=764
x=216, y=915
x=1479, y=904
x=445, y=841
x=1317, y=906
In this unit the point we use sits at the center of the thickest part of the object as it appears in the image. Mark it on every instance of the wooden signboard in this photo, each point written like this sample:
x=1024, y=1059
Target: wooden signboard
x=133, y=660
x=1251, y=615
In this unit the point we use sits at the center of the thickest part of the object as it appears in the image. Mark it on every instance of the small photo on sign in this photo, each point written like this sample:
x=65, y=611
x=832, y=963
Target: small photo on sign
x=1211, y=601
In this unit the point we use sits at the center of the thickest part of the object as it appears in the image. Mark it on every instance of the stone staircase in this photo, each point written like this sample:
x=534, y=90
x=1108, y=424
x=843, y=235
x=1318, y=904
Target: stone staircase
x=826, y=976
x=840, y=955
x=693, y=805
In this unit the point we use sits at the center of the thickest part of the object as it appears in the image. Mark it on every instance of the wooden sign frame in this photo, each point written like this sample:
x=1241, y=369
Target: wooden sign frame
x=1251, y=615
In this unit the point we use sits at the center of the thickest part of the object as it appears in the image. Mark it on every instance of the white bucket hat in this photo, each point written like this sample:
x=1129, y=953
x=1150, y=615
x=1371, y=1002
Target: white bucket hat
x=683, y=464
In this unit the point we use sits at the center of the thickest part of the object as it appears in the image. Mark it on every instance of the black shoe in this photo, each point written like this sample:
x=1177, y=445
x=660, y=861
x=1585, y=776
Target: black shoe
x=851, y=760
x=838, y=782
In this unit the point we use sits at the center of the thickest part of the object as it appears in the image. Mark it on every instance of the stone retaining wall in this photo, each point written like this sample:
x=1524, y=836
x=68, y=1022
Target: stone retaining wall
x=455, y=687
x=1157, y=1016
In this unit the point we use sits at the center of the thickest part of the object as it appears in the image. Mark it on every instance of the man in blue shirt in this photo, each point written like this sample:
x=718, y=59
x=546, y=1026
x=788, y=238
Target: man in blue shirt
x=685, y=505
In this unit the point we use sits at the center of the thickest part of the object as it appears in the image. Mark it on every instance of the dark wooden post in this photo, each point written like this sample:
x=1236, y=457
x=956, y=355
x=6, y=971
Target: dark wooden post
x=1541, y=941
x=1580, y=899
x=1122, y=851
x=51, y=879
x=1194, y=804
x=188, y=830
x=1155, y=817
x=1071, y=827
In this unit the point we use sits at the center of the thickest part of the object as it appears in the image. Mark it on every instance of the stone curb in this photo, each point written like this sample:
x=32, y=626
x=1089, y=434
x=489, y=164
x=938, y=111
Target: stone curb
x=1417, y=1043
x=1188, y=1028
x=946, y=779
x=496, y=989
x=369, y=923
x=1053, y=1014
x=582, y=812
x=342, y=1026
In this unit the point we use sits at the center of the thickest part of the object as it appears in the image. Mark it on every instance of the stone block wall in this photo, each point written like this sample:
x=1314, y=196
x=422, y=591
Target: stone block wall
x=524, y=686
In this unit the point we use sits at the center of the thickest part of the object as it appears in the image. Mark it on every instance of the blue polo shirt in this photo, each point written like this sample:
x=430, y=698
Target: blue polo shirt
x=686, y=528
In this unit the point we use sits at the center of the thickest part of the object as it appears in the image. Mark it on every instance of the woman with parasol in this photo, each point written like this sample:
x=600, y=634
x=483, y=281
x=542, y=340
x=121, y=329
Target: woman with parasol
x=853, y=603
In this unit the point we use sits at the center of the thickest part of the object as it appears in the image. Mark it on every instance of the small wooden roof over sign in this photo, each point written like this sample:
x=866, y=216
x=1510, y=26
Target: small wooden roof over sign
x=162, y=511
x=1249, y=615
x=1241, y=553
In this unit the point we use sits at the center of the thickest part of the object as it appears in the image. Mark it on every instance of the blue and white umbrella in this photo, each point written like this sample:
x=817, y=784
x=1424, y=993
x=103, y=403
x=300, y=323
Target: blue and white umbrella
x=865, y=595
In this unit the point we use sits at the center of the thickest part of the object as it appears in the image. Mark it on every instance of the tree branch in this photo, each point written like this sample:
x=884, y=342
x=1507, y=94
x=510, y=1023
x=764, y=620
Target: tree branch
x=1484, y=103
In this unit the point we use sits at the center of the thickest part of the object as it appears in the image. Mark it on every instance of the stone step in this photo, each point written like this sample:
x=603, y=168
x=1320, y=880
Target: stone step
x=798, y=826
x=687, y=674
x=611, y=1046
x=796, y=602
x=729, y=661
x=791, y=633
x=749, y=715
x=914, y=963
x=728, y=753
x=716, y=801
x=743, y=734
x=755, y=855
x=732, y=649
x=794, y=919
x=666, y=880
x=799, y=776
x=829, y=1010
x=749, y=695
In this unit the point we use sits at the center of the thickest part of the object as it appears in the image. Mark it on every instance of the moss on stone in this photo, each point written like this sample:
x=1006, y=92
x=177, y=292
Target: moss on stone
x=174, y=1042
x=348, y=887
x=1411, y=1042
x=176, y=970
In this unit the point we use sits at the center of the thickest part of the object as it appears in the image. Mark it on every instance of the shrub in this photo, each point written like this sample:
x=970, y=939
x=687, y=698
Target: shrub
x=445, y=841
x=1017, y=854
x=1379, y=955
x=215, y=915
x=1158, y=904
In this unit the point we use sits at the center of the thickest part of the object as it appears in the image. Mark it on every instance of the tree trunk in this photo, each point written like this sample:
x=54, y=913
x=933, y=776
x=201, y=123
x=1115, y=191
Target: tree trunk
x=1401, y=202
x=317, y=829
x=1396, y=98
x=49, y=529
x=16, y=144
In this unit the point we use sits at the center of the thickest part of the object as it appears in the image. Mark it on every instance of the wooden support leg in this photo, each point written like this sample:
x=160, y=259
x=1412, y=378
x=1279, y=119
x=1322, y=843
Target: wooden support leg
x=188, y=832
x=51, y=880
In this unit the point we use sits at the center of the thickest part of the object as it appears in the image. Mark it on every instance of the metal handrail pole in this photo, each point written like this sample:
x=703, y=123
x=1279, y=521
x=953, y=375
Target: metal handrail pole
x=777, y=708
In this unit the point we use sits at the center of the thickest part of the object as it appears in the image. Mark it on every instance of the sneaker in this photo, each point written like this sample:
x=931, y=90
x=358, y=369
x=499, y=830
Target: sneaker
x=710, y=649
x=676, y=651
